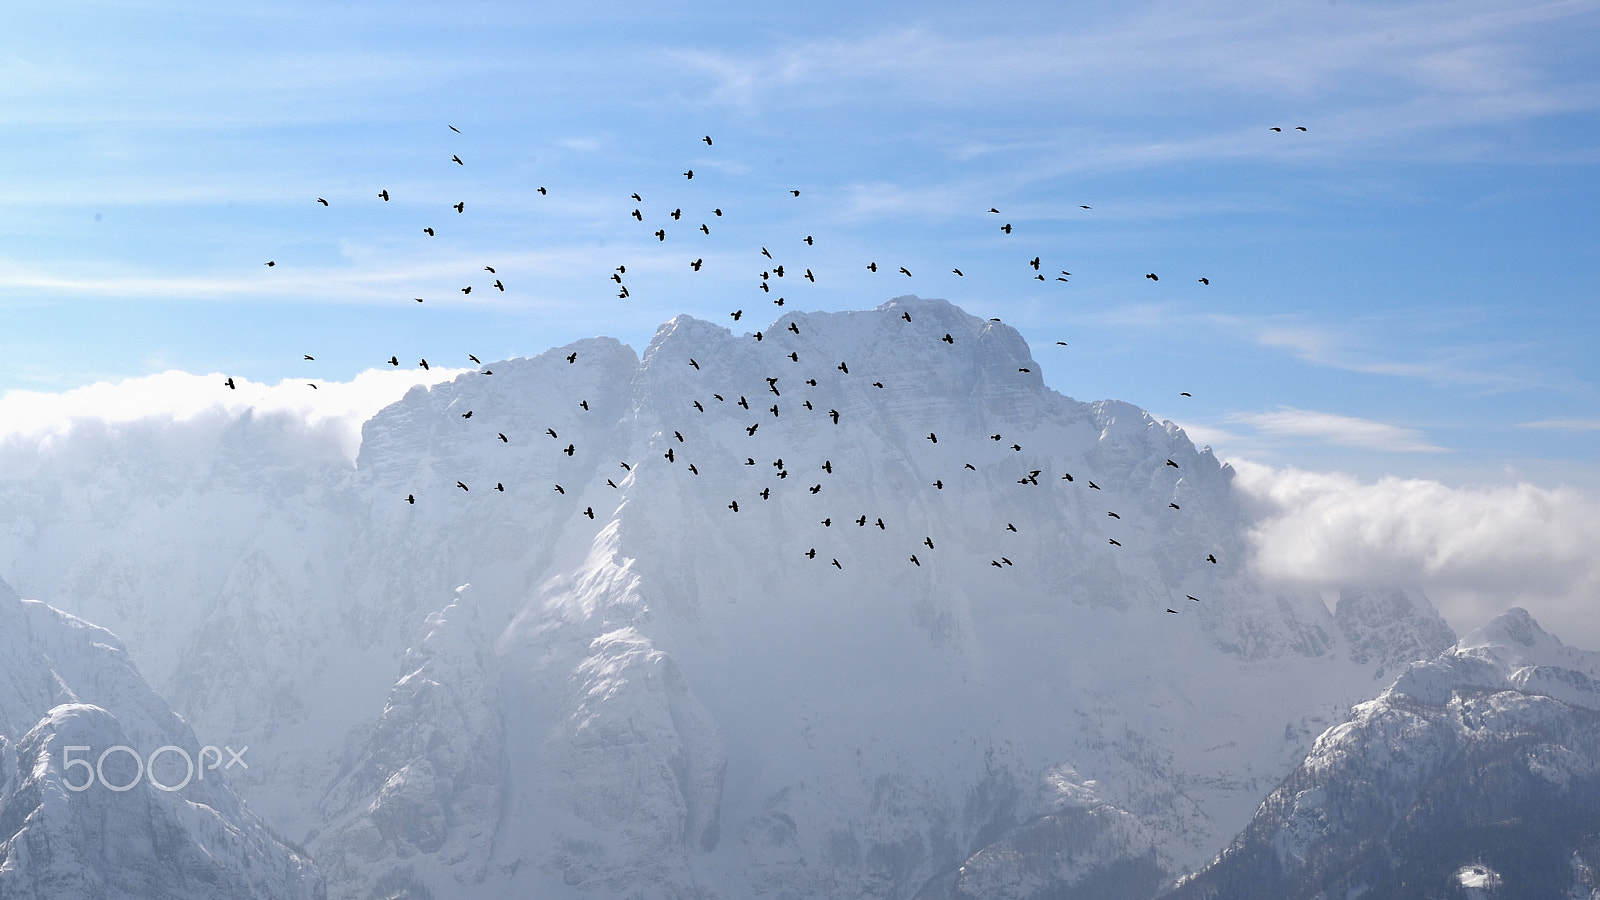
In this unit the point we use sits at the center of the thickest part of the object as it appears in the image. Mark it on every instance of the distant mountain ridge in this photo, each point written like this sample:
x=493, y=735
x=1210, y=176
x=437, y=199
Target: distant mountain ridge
x=673, y=699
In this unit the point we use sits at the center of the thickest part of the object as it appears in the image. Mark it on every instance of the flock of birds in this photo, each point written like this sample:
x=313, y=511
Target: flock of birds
x=771, y=272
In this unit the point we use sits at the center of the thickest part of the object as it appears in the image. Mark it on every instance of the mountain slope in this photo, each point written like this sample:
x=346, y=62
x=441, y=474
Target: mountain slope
x=1479, y=769
x=67, y=831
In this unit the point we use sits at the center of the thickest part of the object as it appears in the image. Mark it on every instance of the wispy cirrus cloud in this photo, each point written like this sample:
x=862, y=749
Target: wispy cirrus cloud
x=1339, y=430
x=1563, y=424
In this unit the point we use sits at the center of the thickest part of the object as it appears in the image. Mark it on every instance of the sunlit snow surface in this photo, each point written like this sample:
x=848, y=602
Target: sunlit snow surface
x=672, y=697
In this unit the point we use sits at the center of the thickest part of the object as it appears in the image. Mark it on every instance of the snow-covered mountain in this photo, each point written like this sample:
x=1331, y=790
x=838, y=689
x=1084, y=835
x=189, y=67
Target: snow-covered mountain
x=80, y=823
x=645, y=692
x=1476, y=774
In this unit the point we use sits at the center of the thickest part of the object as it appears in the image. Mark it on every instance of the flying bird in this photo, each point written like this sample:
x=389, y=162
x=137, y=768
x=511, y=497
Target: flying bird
x=428, y=232
x=914, y=559
x=457, y=160
x=384, y=196
x=1153, y=276
x=322, y=201
x=948, y=339
x=503, y=438
x=957, y=271
x=707, y=139
x=271, y=262
x=229, y=383
x=1006, y=228
x=872, y=267
x=394, y=361
x=573, y=357
x=462, y=486
x=905, y=271
x=461, y=207
x=411, y=499
x=1172, y=464
x=1206, y=281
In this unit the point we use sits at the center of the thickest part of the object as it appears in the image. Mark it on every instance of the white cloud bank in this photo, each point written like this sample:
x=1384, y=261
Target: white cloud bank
x=1475, y=550
x=335, y=408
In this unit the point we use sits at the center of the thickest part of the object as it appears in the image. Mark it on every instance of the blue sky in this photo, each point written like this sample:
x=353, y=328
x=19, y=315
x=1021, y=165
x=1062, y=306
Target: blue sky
x=1408, y=287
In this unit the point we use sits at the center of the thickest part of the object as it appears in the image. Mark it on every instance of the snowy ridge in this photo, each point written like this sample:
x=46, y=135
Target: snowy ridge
x=69, y=689
x=1481, y=765
x=673, y=699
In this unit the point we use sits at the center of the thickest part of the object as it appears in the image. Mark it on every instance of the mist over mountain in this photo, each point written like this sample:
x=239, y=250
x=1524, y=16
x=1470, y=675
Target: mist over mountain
x=628, y=687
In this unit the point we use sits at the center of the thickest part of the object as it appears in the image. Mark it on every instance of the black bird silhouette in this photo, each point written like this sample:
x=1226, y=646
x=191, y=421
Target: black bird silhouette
x=835, y=561
x=794, y=328
x=1061, y=343
x=862, y=521
x=499, y=287
x=588, y=511
x=835, y=414
x=1192, y=597
x=626, y=466
x=765, y=253
x=905, y=271
x=678, y=435
x=718, y=212
x=809, y=277
x=1017, y=447
x=828, y=522
x=308, y=357
x=394, y=361
x=774, y=410
x=499, y=487
x=933, y=437
x=661, y=234
x=1153, y=276
x=881, y=526
x=914, y=559
x=462, y=486
x=611, y=483
x=423, y=364
x=993, y=210
x=844, y=368
x=698, y=406
x=1171, y=610
x=1172, y=464
x=996, y=563
x=1299, y=128
x=637, y=215
x=551, y=432
x=811, y=554
x=766, y=493
x=384, y=196
x=809, y=242
x=689, y=175
x=704, y=229
x=1067, y=477
x=1007, y=561
x=872, y=267
x=1010, y=527
x=573, y=358
x=453, y=128
x=1006, y=228
x=707, y=139
x=796, y=193
x=693, y=363
x=322, y=201
x=1035, y=263
x=948, y=339
x=1024, y=370
x=1205, y=281
x=271, y=262
x=467, y=414
x=827, y=466
x=457, y=160
x=696, y=264
x=1094, y=486
x=1112, y=515
x=570, y=450
x=411, y=499
x=474, y=359
x=958, y=272
x=815, y=488
x=584, y=404
x=734, y=505
x=503, y=438
x=461, y=207
x=929, y=542
x=743, y=402
x=693, y=470
x=906, y=316
x=877, y=384
x=467, y=289
x=758, y=337
x=1211, y=558
x=543, y=191
x=229, y=383
x=560, y=489
x=994, y=437
x=752, y=429
x=719, y=397
x=1185, y=394
x=1114, y=541
x=1275, y=128
x=636, y=197
x=939, y=483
